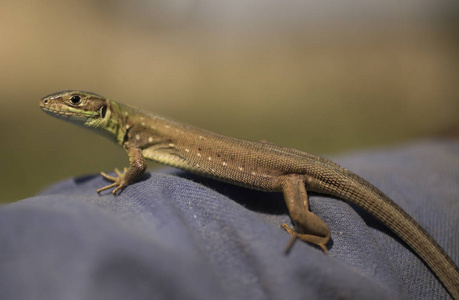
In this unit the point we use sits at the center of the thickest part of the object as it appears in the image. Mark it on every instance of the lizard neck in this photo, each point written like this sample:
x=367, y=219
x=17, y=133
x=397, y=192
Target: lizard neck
x=112, y=125
x=116, y=123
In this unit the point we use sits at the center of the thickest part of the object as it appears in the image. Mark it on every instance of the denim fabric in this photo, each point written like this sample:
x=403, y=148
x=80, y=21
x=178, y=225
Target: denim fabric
x=178, y=236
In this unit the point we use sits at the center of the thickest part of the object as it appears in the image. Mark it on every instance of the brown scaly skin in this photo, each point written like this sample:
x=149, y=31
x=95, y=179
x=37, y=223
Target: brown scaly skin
x=256, y=165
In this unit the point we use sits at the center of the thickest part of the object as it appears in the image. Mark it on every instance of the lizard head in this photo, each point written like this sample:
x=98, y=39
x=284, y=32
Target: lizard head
x=82, y=108
x=87, y=109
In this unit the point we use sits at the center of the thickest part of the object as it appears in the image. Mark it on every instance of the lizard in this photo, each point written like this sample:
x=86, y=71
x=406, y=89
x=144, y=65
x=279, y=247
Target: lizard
x=257, y=165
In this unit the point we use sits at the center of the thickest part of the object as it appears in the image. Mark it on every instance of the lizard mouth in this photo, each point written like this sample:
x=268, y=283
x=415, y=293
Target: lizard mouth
x=50, y=110
x=67, y=115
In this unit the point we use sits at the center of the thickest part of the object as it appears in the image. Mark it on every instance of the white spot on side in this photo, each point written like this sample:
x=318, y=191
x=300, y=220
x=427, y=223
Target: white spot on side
x=213, y=170
x=241, y=169
x=171, y=145
x=150, y=139
x=225, y=164
x=126, y=113
x=199, y=154
x=210, y=158
x=197, y=166
x=143, y=123
x=127, y=126
x=265, y=175
x=137, y=137
x=253, y=173
x=201, y=137
x=187, y=150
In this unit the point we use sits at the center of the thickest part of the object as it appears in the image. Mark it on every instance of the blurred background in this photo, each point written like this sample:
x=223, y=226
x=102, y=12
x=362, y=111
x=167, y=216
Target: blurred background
x=321, y=76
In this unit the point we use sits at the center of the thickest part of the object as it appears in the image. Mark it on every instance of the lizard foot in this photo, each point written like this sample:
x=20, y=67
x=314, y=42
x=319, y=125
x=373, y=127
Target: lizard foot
x=308, y=238
x=119, y=182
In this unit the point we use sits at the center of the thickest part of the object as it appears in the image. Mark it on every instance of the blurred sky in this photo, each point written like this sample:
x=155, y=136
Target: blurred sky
x=320, y=76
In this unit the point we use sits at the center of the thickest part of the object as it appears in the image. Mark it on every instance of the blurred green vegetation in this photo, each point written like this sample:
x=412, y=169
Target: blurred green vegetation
x=322, y=89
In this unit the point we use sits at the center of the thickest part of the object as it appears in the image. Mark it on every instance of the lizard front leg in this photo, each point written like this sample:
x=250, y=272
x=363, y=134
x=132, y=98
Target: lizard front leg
x=137, y=166
x=308, y=226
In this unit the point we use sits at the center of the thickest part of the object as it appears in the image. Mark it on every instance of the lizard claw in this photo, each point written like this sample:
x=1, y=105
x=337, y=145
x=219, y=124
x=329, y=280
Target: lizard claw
x=308, y=238
x=119, y=182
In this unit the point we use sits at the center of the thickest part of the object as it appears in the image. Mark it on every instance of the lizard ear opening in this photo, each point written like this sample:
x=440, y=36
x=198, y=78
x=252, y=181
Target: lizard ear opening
x=103, y=111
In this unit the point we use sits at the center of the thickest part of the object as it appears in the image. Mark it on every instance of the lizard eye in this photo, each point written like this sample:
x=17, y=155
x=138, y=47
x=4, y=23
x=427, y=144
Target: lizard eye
x=75, y=99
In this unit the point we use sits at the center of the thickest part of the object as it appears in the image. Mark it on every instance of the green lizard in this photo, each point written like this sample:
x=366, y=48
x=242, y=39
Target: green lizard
x=256, y=165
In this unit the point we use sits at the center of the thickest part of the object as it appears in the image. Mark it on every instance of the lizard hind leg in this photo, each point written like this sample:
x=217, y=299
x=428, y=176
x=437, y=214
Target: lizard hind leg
x=315, y=240
x=308, y=227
